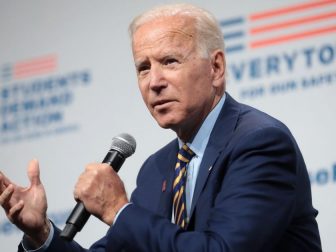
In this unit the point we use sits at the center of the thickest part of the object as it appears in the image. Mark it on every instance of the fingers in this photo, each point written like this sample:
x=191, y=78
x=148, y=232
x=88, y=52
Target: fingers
x=75, y=194
x=5, y=195
x=34, y=172
x=14, y=211
x=92, y=178
x=4, y=181
x=97, y=166
x=11, y=211
x=2, y=184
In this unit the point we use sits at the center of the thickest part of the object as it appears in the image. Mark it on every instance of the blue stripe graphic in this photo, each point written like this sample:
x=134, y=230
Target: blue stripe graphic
x=6, y=72
x=234, y=48
x=232, y=21
x=233, y=35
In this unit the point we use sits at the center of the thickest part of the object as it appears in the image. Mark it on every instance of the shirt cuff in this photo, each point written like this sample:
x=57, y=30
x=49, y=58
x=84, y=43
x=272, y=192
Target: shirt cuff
x=119, y=212
x=27, y=247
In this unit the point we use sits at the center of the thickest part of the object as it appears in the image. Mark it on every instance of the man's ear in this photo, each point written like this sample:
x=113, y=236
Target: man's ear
x=218, y=65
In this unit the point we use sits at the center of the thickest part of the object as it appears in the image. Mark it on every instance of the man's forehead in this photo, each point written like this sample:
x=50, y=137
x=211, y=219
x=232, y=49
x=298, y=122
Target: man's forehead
x=162, y=48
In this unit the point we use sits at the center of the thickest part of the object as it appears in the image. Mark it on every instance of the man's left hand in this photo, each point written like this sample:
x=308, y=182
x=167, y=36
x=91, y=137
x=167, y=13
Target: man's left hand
x=101, y=191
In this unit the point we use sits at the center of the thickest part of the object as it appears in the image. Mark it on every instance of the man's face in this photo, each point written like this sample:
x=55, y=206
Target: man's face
x=175, y=82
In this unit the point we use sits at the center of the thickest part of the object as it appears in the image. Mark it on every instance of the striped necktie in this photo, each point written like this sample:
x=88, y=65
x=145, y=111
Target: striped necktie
x=179, y=202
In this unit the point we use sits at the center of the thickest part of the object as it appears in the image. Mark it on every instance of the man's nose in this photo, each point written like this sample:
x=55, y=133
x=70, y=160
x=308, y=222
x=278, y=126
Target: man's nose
x=157, y=80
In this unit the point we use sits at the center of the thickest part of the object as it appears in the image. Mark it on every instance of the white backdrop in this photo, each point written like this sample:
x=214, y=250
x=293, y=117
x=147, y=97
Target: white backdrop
x=68, y=85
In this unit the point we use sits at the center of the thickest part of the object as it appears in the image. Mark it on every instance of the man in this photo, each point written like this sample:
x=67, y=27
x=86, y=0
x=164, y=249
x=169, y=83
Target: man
x=238, y=183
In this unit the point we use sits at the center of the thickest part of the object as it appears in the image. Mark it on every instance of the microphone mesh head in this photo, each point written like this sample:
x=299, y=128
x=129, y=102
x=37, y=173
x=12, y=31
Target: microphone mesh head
x=124, y=143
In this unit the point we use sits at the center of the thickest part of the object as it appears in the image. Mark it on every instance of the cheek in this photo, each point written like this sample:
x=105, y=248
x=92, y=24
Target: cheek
x=194, y=85
x=144, y=92
x=198, y=91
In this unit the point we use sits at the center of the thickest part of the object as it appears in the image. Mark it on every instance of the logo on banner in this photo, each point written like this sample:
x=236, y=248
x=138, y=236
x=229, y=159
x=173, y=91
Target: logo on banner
x=323, y=176
x=34, y=98
x=282, y=50
x=29, y=68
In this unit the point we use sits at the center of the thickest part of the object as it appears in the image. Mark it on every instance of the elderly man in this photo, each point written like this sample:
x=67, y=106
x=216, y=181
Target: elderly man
x=233, y=180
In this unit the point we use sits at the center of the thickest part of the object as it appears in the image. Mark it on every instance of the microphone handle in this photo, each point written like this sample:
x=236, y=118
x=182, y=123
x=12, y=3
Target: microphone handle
x=79, y=215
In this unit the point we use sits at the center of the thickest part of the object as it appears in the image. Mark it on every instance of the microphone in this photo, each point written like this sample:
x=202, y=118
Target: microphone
x=122, y=147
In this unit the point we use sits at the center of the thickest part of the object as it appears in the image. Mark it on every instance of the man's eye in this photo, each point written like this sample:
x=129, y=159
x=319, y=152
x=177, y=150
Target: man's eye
x=143, y=68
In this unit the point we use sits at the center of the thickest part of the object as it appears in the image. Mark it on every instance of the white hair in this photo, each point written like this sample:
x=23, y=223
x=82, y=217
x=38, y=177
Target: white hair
x=209, y=35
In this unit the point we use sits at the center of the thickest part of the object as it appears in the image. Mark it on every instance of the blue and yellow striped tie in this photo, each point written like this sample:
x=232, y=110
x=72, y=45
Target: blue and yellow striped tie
x=179, y=202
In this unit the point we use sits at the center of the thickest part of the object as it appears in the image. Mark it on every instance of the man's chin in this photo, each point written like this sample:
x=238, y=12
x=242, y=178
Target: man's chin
x=168, y=120
x=166, y=124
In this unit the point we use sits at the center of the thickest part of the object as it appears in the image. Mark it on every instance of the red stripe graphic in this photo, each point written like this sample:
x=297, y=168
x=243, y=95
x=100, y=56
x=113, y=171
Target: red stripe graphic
x=291, y=23
x=290, y=37
x=304, y=23
x=41, y=65
x=291, y=9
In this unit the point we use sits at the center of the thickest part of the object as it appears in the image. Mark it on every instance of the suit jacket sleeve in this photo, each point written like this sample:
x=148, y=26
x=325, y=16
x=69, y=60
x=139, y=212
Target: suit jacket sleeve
x=60, y=245
x=250, y=211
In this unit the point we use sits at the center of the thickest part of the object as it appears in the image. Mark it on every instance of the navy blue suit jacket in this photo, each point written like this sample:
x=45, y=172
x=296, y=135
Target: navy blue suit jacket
x=252, y=194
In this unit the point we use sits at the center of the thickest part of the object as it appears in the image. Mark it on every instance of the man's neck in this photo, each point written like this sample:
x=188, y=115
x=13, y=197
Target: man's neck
x=186, y=133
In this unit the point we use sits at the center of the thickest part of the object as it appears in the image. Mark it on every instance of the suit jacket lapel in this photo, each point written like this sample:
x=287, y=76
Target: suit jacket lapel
x=218, y=140
x=210, y=156
x=166, y=164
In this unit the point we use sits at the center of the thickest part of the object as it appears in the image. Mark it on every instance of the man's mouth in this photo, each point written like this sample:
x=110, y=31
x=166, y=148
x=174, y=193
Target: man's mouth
x=161, y=103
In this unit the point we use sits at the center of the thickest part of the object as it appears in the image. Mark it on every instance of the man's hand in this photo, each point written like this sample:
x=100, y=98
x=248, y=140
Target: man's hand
x=27, y=207
x=101, y=191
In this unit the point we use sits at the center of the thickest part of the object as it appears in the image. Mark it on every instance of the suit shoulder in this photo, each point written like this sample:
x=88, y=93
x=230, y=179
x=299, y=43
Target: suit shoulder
x=241, y=121
x=251, y=119
x=160, y=154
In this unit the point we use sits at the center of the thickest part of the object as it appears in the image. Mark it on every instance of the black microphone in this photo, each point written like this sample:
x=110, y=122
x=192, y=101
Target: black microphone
x=122, y=147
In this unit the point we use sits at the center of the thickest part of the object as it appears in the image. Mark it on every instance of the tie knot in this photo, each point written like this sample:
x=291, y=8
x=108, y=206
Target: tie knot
x=185, y=154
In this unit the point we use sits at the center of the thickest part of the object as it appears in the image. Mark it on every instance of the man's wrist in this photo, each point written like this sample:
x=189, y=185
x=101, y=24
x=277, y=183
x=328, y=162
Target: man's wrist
x=30, y=245
x=39, y=238
x=112, y=213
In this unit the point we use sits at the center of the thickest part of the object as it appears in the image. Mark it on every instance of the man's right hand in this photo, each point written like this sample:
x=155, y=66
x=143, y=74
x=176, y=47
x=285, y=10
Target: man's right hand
x=27, y=207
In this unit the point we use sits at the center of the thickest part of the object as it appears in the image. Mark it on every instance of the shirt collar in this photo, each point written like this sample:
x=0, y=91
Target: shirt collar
x=201, y=139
